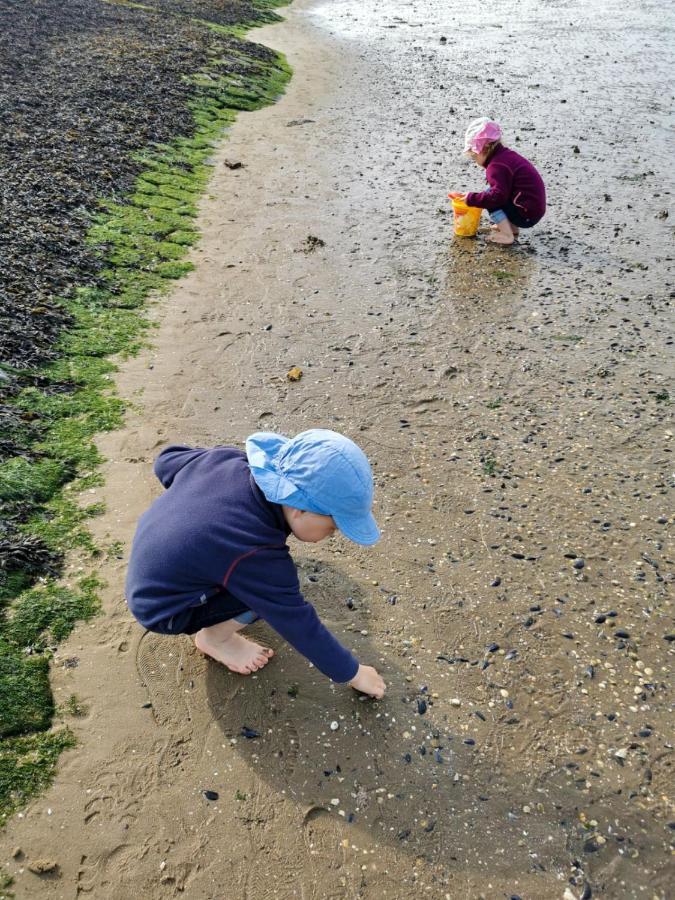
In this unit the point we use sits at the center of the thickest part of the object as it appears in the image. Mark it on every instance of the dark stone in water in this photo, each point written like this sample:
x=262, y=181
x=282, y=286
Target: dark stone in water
x=591, y=846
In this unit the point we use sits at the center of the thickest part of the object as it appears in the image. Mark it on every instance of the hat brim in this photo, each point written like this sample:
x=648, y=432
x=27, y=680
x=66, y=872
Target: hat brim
x=363, y=530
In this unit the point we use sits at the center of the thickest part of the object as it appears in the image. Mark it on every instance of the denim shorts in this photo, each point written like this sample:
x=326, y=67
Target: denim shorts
x=220, y=608
x=514, y=215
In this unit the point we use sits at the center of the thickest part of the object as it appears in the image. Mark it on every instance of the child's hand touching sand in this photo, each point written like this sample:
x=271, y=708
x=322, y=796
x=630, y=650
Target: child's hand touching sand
x=368, y=681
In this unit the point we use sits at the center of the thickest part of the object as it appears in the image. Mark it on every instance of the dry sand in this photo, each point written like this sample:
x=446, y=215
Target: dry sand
x=515, y=406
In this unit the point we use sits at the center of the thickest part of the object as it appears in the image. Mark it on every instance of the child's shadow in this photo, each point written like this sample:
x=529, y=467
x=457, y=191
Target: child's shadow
x=327, y=770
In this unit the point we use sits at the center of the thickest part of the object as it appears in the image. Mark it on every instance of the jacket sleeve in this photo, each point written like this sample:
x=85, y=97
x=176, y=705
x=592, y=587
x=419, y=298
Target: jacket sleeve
x=500, y=179
x=267, y=582
x=172, y=459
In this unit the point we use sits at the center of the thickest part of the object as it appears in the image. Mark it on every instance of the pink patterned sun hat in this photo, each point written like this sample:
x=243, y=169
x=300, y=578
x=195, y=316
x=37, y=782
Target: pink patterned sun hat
x=479, y=133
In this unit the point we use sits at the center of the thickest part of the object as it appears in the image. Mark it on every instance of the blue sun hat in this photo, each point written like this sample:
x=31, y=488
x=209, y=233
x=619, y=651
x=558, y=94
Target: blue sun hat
x=319, y=471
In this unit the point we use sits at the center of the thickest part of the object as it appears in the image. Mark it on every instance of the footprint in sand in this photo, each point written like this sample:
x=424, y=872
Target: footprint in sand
x=167, y=669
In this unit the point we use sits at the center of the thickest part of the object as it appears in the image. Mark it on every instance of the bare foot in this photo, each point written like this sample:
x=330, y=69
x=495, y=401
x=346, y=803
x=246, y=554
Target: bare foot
x=502, y=233
x=500, y=238
x=236, y=652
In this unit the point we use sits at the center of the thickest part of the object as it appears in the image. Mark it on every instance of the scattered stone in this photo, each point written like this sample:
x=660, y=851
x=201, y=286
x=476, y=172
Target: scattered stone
x=579, y=563
x=421, y=706
x=334, y=726
x=591, y=846
x=496, y=582
x=43, y=867
x=621, y=634
x=249, y=733
x=492, y=648
x=231, y=164
x=294, y=374
x=211, y=795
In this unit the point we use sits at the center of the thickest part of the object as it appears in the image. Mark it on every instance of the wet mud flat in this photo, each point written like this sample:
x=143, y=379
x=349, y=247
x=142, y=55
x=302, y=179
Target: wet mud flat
x=517, y=409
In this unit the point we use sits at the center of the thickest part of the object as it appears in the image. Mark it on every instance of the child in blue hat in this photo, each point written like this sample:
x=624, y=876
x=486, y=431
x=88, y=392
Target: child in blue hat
x=210, y=555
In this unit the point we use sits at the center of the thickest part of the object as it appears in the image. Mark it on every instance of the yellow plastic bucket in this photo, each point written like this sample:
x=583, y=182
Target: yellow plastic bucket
x=467, y=218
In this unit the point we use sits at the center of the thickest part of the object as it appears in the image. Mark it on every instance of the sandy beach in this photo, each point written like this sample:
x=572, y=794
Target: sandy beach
x=515, y=405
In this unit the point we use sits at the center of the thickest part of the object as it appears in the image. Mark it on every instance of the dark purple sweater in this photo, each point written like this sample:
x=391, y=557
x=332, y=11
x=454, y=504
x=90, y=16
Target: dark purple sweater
x=211, y=529
x=512, y=179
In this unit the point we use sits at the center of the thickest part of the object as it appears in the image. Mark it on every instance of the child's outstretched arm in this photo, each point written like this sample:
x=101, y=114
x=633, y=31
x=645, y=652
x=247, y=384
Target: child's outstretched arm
x=267, y=582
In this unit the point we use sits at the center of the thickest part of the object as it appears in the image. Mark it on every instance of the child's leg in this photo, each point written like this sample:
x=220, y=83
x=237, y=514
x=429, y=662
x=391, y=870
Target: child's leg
x=503, y=230
x=223, y=643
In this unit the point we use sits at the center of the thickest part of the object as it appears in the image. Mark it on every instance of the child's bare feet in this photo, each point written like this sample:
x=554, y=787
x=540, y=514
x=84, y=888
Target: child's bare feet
x=502, y=233
x=222, y=643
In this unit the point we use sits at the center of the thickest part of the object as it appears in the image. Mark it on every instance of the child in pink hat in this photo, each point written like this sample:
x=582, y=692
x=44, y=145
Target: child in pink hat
x=516, y=196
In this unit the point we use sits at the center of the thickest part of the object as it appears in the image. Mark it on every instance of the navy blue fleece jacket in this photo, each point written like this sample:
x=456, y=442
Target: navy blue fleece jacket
x=213, y=529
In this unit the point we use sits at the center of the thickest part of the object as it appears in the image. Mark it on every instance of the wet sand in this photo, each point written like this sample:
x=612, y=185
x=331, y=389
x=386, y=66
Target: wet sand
x=515, y=405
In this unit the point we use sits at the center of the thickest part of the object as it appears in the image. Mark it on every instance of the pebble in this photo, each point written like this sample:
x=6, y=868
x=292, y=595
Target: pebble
x=43, y=866
x=455, y=701
x=621, y=634
x=493, y=648
x=496, y=582
x=334, y=726
x=249, y=733
x=579, y=563
x=421, y=706
x=211, y=795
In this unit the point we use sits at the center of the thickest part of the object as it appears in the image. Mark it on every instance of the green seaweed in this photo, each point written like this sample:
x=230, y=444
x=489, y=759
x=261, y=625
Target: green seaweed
x=143, y=241
x=27, y=766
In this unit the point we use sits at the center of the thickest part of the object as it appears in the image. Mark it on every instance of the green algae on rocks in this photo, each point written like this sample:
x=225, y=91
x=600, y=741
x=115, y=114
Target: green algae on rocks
x=52, y=412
